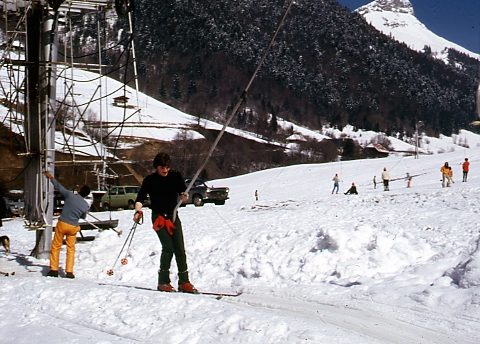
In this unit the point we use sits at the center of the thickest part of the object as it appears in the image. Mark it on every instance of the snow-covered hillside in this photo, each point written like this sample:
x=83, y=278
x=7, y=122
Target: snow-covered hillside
x=143, y=118
x=379, y=267
x=397, y=18
x=148, y=118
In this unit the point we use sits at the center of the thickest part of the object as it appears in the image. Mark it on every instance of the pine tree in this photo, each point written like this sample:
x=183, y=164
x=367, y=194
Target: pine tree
x=213, y=91
x=192, y=88
x=176, y=93
x=162, y=92
x=273, y=122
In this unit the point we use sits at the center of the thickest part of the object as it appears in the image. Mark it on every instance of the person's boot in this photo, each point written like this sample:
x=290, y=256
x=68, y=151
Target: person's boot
x=53, y=273
x=70, y=275
x=166, y=287
x=187, y=287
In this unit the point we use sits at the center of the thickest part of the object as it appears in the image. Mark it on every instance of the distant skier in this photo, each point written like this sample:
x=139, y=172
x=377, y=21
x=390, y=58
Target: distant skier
x=336, y=180
x=408, y=178
x=374, y=182
x=386, y=179
x=256, y=195
x=445, y=177
x=450, y=174
x=465, y=167
x=352, y=190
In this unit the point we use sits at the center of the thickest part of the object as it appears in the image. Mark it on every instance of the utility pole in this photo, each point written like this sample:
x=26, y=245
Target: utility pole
x=40, y=125
x=417, y=125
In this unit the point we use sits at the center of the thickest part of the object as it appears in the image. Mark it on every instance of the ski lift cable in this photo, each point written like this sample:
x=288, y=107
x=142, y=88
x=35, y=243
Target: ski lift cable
x=270, y=182
x=216, y=211
x=95, y=53
x=92, y=100
x=81, y=117
x=478, y=90
x=93, y=144
x=125, y=82
x=77, y=107
x=21, y=172
x=109, y=94
x=89, y=80
x=106, y=136
x=20, y=22
x=124, y=94
x=135, y=75
x=235, y=109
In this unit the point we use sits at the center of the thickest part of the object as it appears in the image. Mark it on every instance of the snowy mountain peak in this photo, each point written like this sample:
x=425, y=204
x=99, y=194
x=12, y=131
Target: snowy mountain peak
x=396, y=6
x=396, y=18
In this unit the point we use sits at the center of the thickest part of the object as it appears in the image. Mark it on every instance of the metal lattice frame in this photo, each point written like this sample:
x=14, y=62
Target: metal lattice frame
x=30, y=62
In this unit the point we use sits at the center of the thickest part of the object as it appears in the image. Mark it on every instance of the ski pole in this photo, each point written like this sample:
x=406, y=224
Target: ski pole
x=124, y=261
x=98, y=228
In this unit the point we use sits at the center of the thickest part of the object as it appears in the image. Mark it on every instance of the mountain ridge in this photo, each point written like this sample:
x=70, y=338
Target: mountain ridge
x=397, y=17
x=396, y=6
x=326, y=66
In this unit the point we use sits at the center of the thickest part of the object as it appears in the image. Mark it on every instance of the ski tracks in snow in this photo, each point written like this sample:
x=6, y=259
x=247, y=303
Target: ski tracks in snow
x=371, y=326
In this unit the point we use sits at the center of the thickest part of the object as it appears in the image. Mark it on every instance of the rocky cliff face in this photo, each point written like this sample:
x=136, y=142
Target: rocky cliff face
x=396, y=6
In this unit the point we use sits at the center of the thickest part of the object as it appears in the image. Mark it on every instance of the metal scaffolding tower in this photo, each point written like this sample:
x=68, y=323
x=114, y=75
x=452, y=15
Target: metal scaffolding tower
x=30, y=59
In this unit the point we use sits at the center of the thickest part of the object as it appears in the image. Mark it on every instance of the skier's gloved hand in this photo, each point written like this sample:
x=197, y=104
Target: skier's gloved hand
x=138, y=217
x=184, y=196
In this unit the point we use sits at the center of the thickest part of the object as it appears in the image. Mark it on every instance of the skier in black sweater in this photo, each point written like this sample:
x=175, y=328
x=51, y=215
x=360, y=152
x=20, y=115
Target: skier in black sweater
x=164, y=187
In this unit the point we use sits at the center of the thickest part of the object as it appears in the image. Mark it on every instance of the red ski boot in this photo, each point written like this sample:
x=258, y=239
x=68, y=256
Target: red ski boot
x=187, y=288
x=166, y=287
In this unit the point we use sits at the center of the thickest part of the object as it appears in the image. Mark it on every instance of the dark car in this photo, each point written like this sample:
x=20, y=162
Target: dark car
x=58, y=202
x=15, y=204
x=201, y=193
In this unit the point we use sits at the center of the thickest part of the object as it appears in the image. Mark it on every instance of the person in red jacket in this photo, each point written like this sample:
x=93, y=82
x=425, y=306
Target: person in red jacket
x=465, y=167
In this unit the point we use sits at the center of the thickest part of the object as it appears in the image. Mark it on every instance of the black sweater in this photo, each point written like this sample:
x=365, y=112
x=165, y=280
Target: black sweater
x=163, y=191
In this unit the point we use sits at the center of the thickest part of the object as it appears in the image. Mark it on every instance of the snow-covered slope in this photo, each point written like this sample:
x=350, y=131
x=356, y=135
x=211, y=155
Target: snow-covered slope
x=315, y=267
x=397, y=17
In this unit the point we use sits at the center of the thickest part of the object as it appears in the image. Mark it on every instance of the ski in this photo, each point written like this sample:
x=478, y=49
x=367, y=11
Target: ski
x=7, y=273
x=219, y=295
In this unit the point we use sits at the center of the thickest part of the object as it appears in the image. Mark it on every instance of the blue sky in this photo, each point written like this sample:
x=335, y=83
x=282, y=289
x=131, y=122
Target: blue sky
x=455, y=20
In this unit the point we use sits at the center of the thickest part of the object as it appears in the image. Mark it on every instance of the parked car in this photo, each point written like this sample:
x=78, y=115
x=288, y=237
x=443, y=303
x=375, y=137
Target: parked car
x=120, y=197
x=15, y=204
x=58, y=202
x=200, y=194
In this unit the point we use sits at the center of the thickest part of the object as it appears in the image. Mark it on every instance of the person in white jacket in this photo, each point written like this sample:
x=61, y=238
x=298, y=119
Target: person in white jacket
x=386, y=179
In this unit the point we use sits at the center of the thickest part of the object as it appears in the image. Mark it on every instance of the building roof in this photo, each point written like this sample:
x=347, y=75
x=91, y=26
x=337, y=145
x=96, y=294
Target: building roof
x=378, y=148
x=296, y=137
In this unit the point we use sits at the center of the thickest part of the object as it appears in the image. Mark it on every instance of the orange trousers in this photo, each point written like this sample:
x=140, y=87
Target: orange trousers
x=70, y=232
